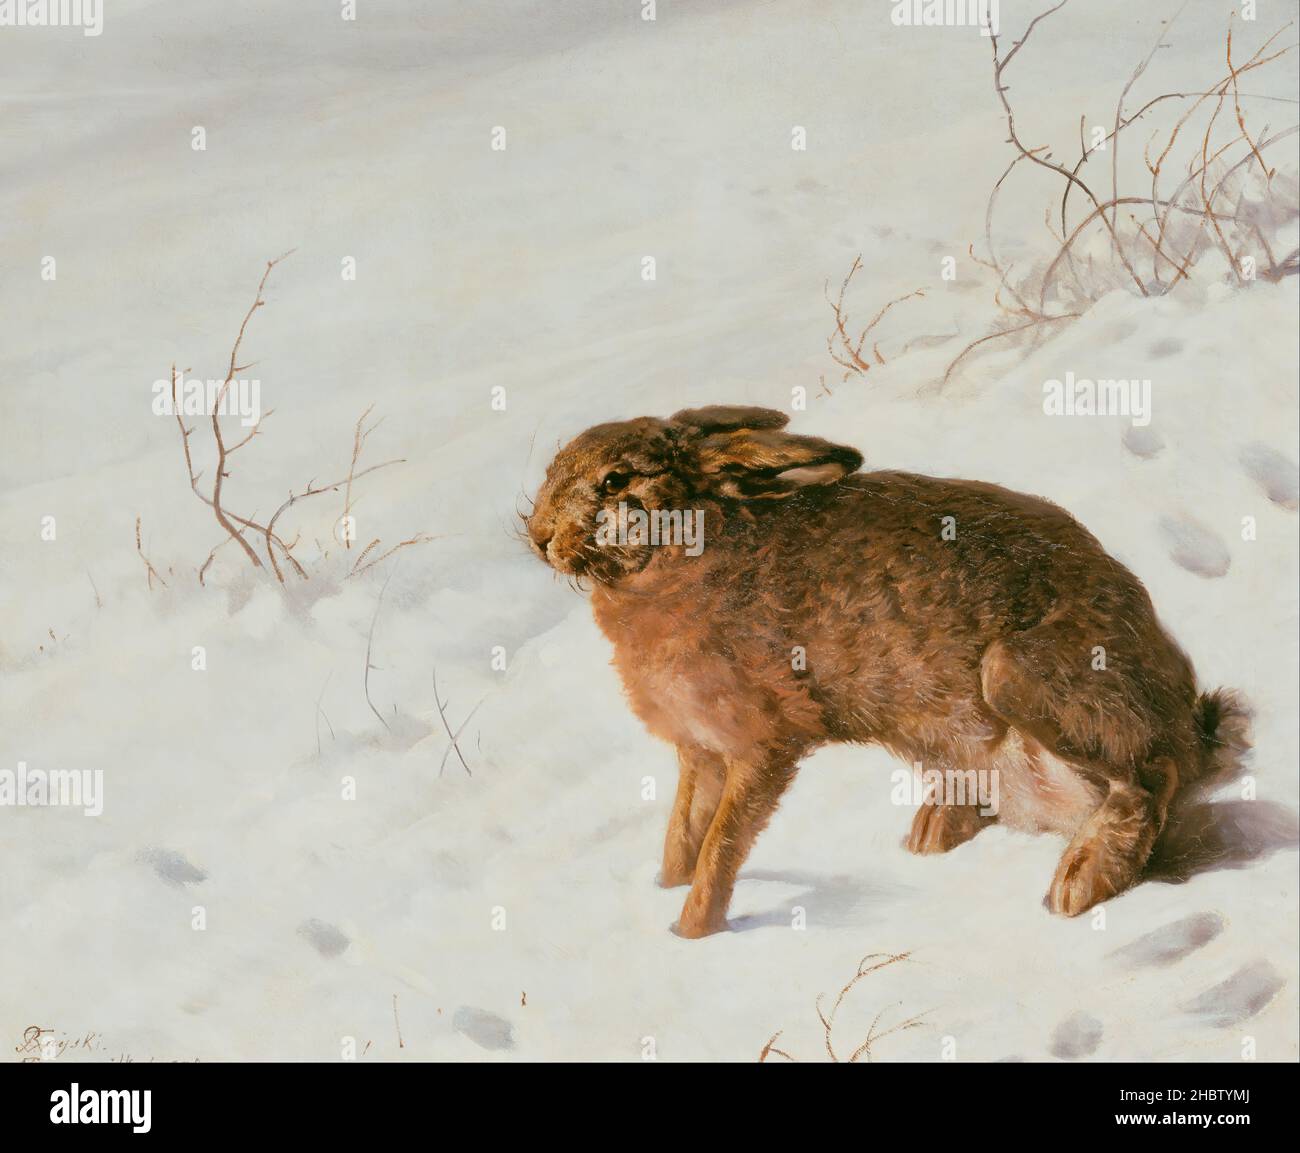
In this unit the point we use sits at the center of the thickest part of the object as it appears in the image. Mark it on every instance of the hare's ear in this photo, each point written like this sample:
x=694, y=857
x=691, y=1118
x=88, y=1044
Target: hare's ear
x=764, y=464
x=728, y=418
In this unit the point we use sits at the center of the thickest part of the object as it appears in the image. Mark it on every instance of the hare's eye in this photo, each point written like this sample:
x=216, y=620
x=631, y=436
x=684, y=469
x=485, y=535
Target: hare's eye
x=614, y=482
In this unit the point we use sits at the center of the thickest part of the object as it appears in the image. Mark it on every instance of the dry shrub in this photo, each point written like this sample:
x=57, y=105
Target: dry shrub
x=869, y=964
x=265, y=536
x=1211, y=200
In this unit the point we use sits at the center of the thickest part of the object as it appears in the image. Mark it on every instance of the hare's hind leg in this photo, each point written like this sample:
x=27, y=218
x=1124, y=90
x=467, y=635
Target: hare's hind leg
x=938, y=828
x=1040, y=682
x=699, y=788
x=1109, y=852
x=961, y=794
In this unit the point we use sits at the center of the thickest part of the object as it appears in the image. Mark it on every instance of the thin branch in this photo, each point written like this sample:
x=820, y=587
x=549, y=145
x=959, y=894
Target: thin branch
x=223, y=453
x=309, y=491
x=456, y=735
x=999, y=68
x=771, y=1048
x=828, y=1020
x=320, y=712
x=150, y=571
x=854, y=363
x=224, y=517
x=849, y=356
x=370, y=640
x=358, y=439
x=974, y=344
x=1119, y=113
x=1258, y=60
x=1241, y=119
x=453, y=736
x=359, y=568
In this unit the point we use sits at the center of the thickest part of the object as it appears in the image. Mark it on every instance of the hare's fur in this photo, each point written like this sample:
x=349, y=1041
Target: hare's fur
x=975, y=648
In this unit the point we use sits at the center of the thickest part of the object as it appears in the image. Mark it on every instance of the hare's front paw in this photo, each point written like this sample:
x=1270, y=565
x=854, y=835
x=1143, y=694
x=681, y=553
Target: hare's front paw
x=695, y=928
x=938, y=828
x=700, y=918
x=674, y=874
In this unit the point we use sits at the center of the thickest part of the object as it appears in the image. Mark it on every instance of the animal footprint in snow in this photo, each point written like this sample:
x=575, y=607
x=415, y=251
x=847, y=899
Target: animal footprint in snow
x=1273, y=472
x=172, y=867
x=1194, y=547
x=1143, y=441
x=1169, y=346
x=1238, y=998
x=323, y=937
x=1077, y=1036
x=1172, y=942
x=486, y=1030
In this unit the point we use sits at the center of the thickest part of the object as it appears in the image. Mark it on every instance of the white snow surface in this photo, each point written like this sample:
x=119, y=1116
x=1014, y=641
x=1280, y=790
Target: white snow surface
x=514, y=913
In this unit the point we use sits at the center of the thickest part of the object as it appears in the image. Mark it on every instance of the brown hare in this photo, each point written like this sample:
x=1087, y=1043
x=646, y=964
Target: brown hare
x=956, y=623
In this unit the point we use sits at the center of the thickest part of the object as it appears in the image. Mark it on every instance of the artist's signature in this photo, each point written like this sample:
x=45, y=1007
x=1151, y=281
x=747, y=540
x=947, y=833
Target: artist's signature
x=42, y=1044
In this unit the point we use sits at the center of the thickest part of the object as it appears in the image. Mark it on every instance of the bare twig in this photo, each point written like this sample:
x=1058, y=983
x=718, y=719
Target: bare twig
x=279, y=552
x=868, y=965
x=993, y=262
x=358, y=439
x=224, y=516
x=1003, y=332
x=1119, y=115
x=370, y=640
x=454, y=737
x=1031, y=154
x=320, y=713
x=771, y=1048
x=864, y=970
x=311, y=490
x=359, y=568
x=853, y=363
x=223, y=452
x=150, y=571
x=203, y=568
x=365, y=552
x=1258, y=60
x=1241, y=119
x=849, y=352
x=1196, y=196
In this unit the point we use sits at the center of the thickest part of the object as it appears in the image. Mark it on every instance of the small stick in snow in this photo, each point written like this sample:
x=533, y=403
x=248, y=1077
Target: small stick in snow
x=320, y=712
x=358, y=439
x=999, y=334
x=454, y=736
x=359, y=568
x=370, y=640
x=849, y=355
x=868, y=965
x=224, y=450
x=864, y=970
x=771, y=1048
x=149, y=569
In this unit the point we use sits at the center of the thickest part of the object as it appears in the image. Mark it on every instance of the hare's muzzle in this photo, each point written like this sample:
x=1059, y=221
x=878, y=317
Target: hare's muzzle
x=540, y=532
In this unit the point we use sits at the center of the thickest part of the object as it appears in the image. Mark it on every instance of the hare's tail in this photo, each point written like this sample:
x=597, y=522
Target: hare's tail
x=1222, y=721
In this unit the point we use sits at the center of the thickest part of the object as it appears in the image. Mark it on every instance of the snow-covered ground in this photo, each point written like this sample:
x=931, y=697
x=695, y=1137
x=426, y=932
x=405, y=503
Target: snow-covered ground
x=513, y=913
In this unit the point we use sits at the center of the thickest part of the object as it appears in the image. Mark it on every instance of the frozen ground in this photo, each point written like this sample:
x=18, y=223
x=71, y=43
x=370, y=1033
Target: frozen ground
x=513, y=914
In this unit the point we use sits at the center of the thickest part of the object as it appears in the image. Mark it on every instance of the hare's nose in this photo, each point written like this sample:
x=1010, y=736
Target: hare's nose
x=541, y=542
